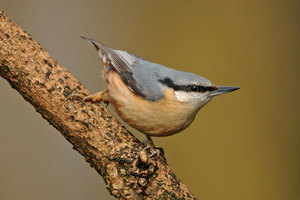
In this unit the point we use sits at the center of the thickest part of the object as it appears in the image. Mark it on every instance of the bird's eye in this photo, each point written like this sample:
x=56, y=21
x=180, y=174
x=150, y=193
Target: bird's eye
x=194, y=88
x=197, y=88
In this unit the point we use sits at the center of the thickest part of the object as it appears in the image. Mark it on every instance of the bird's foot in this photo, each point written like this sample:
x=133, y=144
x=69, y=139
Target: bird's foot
x=152, y=149
x=98, y=97
x=78, y=95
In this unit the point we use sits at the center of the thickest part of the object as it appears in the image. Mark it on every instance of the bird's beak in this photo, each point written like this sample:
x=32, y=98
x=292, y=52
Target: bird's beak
x=223, y=90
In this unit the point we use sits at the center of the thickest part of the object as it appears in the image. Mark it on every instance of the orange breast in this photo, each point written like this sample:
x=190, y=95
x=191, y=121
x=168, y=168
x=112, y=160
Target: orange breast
x=161, y=118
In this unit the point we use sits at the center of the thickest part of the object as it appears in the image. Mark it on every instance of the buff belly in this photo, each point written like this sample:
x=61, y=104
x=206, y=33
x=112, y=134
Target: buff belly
x=161, y=118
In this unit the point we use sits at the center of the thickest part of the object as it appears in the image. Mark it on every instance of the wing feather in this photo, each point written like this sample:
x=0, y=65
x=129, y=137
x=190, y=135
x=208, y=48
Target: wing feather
x=123, y=63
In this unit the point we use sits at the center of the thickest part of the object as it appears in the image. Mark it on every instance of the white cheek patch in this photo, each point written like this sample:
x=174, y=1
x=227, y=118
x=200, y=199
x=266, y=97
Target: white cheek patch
x=189, y=96
x=183, y=96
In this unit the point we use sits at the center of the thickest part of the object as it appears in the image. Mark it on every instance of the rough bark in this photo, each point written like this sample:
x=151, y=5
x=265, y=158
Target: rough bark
x=109, y=148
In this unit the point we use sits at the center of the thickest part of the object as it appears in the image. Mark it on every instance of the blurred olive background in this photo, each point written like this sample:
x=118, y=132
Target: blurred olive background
x=243, y=145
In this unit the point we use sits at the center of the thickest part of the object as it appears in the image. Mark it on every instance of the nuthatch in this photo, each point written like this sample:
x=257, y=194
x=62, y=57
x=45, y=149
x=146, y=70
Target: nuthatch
x=154, y=99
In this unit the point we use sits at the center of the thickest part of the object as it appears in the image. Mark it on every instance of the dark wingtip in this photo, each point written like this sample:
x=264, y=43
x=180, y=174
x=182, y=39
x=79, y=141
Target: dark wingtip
x=93, y=42
x=86, y=38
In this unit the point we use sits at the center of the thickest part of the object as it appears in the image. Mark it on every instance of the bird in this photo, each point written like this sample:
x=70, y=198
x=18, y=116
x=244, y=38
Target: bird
x=153, y=99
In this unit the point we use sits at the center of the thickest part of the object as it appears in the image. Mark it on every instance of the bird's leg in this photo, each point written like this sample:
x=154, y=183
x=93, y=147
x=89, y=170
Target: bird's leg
x=150, y=145
x=93, y=98
x=97, y=97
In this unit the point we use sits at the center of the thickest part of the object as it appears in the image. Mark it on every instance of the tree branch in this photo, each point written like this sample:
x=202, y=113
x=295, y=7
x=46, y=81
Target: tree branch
x=109, y=148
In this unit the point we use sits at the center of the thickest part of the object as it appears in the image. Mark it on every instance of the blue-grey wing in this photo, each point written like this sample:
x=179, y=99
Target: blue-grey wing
x=132, y=70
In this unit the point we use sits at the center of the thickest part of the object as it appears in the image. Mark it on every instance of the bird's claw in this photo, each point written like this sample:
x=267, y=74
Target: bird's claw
x=78, y=95
x=154, y=152
x=152, y=149
x=98, y=97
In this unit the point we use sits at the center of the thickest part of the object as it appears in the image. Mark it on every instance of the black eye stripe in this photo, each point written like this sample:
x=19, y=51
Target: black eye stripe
x=197, y=88
x=188, y=88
